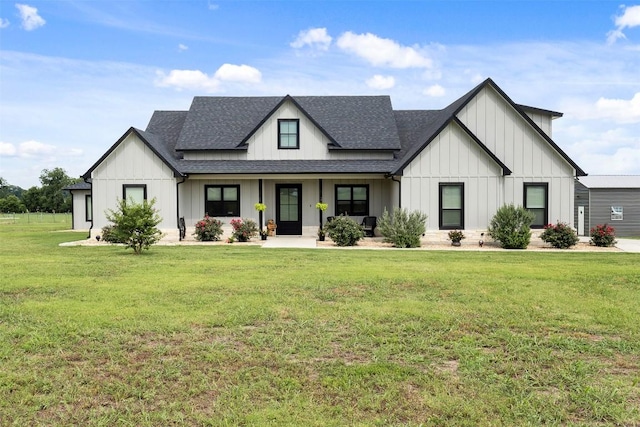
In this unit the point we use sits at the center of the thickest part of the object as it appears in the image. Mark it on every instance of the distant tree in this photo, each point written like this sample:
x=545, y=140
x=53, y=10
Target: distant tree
x=7, y=189
x=32, y=199
x=54, y=198
x=11, y=204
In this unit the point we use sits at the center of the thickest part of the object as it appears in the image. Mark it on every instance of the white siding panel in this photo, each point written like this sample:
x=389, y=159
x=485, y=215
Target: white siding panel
x=132, y=162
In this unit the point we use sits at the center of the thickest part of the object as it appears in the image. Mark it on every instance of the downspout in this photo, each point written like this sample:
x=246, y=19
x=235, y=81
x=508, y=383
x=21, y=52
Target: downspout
x=90, y=228
x=393, y=178
x=184, y=178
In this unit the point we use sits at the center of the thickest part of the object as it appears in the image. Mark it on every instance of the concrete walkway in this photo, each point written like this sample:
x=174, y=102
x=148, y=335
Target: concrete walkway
x=628, y=245
x=290, y=242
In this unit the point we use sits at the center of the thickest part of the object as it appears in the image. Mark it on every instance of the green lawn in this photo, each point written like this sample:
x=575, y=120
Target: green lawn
x=238, y=335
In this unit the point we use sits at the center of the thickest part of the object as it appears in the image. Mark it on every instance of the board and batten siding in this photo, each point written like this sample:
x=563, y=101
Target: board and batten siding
x=582, y=199
x=601, y=201
x=453, y=157
x=519, y=146
x=263, y=144
x=79, y=213
x=133, y=162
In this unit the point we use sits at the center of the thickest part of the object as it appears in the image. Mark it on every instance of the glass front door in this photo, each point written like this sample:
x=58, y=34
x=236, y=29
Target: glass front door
x=289, y=209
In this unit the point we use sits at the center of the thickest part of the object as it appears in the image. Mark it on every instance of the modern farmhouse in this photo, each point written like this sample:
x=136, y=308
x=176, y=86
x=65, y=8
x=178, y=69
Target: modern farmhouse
x=354, y=153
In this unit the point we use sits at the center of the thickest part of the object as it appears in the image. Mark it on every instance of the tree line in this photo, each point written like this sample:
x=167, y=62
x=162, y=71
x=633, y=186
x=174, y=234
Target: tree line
x=49, y=197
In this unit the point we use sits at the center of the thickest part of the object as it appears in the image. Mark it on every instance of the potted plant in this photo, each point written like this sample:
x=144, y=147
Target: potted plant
x=260, y=207
x=456, y=236
x=321, y=206
x=263, y=234
x=321, y=234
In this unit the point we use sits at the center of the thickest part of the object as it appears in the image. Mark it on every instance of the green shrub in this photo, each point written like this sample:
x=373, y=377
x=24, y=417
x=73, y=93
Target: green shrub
x=344, y=231
x=511, y=226
x=603, y=235
x=135, y=224
x=208, y=229
x=109, y=234
x=560, y=236
x=402, y=229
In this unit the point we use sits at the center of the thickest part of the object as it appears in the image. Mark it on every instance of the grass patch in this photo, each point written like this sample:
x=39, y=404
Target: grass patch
x=238, y=335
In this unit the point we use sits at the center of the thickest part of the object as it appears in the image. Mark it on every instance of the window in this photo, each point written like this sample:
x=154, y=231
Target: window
x=134, y=192
x=88, y=208
x=536, y=201
x=352, y=200
x=288, y=135
x=222, y=200
x=616, y=213
x=451, y=206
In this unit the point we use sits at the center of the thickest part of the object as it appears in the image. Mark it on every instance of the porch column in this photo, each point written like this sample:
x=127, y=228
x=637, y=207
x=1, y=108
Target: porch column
x=260, y=200
x=320, y=195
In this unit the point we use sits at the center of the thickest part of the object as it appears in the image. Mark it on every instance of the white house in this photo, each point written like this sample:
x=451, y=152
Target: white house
x=355, y=153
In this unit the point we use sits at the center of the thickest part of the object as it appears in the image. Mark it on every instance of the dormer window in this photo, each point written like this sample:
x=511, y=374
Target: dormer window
x=288, y=134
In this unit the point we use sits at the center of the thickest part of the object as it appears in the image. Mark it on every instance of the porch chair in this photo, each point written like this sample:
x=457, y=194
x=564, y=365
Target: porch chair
x=369, y=224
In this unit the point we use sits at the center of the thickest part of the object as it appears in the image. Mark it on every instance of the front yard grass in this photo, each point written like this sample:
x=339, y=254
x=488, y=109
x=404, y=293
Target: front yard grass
x=239, y=335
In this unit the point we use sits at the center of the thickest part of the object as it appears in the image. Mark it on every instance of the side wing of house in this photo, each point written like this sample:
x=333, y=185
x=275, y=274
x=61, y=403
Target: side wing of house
x=542, y=178
x=454, y=181
x=131, y=169
x=81, y=210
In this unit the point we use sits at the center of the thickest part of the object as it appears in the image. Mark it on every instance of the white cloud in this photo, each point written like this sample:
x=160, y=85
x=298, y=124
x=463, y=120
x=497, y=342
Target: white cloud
x=4, y=23
x=27, y=149
x=435, y=90
x=630, y=18
x=30, y=18
x=182, y=47
x=381, y=82
x=197, y=80
x=313, y=37
x=213, y=6
x=238, y=73
x=7, y=149
x=35, y=149
x=383, y=52
x=188, y=79
x=619, y=110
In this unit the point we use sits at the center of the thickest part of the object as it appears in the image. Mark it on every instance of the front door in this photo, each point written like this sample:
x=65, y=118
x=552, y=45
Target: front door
x=289, y=209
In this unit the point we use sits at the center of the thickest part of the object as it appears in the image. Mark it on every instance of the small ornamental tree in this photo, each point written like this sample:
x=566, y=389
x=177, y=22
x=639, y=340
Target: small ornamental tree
x=344, y=231
x=511, y=226
x=603, y=235
x=403, y=229
x=560, y=235
x=135, y=224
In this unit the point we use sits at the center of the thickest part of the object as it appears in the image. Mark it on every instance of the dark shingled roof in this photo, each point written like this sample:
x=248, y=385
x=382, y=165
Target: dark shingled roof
x=82, y=185
x=285, y=166
x=348, y=122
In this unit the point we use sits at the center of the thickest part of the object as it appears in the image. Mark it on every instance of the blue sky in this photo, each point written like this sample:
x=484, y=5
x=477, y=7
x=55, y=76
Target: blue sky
x=75, y=75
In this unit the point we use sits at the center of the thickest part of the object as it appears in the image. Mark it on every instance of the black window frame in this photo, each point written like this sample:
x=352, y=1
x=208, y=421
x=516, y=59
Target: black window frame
x=210, y=209
x=441, y=187
x=351, y=211
x=125, y=187
x=88, y=210
x=280, y=134
x=545, y=185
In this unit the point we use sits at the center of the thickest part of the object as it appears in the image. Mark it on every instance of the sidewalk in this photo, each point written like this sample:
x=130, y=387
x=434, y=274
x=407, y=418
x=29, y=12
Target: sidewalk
x=628, y=245
x=290, y=242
